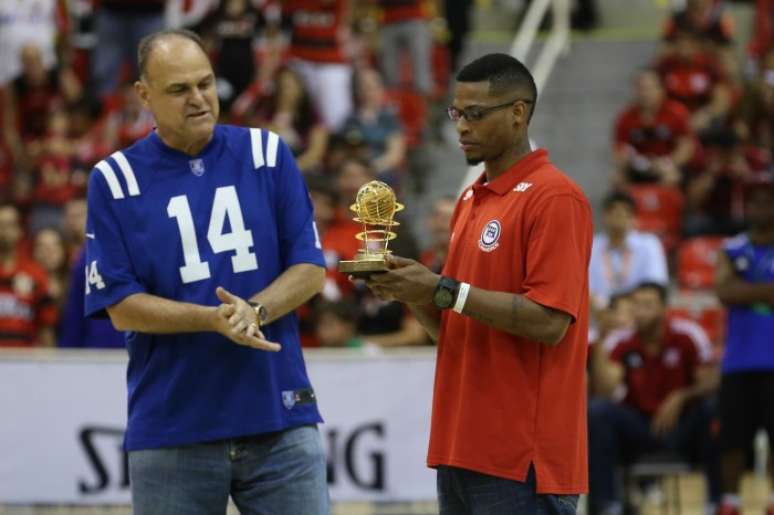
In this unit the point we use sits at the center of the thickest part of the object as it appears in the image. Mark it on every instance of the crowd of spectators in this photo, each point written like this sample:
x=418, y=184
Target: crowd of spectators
x=346, y=84
x=690, y=153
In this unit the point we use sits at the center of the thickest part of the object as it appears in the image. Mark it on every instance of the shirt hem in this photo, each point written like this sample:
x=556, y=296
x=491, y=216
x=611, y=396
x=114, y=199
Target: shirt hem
x=544, y=488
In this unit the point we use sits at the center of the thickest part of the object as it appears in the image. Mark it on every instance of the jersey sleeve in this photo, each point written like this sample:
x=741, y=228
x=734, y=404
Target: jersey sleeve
x=558, y=252
x=109, y=274
x=298, y=237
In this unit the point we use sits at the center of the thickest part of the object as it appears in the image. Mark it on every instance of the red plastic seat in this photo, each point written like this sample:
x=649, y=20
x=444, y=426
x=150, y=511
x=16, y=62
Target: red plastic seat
x=659, y=210
x=696, y=260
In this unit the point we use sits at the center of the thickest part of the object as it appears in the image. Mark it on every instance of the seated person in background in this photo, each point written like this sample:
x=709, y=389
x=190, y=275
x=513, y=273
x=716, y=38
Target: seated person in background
x=378, y=123
x=756, y=120
x=27, y=312
x=618, y=315
x=76, y=330
x=708, y=18
x=336, y=324
x=697, y=79
x=715, y=196
x=664, y=366
x=621, y=257
x=653, y=136
x=438, y=221
x=128, y=121
x=49, y=251
x=289, y=112
x=73, y=226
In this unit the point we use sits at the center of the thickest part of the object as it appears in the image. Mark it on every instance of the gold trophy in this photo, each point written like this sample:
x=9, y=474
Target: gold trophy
x=375, y=207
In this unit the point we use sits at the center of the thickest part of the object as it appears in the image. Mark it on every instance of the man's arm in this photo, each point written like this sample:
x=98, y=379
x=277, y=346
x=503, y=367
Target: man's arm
x=730, y=289
x=412, y=283
x=146, y=313
x=517, y=315
x=295, y=286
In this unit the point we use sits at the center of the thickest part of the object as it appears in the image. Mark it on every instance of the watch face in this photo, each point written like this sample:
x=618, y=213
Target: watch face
x=443, y=298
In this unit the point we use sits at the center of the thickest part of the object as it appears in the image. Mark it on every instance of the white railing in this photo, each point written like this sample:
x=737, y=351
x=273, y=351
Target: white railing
x=558, y=42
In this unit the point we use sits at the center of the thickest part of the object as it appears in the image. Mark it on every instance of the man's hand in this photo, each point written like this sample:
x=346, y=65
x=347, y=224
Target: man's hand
x=668, y=413
x=236, y=320
x=407, y=281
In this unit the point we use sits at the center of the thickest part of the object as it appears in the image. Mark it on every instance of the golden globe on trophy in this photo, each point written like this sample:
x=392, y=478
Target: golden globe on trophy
x=375, y=207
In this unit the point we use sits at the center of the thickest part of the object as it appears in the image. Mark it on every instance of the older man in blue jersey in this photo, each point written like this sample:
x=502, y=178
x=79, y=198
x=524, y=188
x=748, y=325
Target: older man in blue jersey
x=745, y=283
x=200, y=244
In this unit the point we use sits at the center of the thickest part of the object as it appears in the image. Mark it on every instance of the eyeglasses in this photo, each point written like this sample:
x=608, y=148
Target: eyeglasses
x=474, y=114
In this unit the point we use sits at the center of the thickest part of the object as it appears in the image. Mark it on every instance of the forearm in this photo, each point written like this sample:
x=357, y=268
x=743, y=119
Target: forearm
x=683, y=151
x=291, y=289
x=738, y=291
x=145, y=313
x=429, y=317
x=516, y=315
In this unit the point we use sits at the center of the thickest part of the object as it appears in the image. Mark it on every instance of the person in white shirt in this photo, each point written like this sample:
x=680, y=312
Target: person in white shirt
x=621, y=257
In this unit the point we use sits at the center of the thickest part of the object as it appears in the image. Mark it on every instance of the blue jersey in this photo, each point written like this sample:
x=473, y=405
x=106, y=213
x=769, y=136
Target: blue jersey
x=750, y=338
x=177, y=226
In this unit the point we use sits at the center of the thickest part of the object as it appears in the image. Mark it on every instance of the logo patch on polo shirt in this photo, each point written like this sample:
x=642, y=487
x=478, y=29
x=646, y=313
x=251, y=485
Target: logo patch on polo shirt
x=490, y=236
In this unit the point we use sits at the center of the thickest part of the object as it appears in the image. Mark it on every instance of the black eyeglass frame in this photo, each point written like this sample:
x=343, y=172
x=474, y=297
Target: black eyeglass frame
x=455, y=114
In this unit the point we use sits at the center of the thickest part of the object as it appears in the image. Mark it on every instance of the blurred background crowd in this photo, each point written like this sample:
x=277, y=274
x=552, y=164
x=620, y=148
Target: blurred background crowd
x=358, y=89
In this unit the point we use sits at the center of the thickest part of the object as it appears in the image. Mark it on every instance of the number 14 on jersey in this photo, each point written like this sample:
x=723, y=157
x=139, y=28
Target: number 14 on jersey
x=240, y=240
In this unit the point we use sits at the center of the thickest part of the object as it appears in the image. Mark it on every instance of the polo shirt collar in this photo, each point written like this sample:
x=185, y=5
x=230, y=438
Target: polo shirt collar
x=515, y=174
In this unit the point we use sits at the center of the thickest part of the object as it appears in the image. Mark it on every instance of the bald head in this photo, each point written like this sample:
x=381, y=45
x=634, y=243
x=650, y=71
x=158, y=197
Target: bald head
x=153, y=41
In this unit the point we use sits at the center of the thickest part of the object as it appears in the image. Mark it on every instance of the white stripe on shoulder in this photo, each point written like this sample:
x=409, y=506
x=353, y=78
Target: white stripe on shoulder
x=110, y=177
x=740, y=240
x=127, y=171
x=256, y=143
x=697, y=335
x=271, y=149
x=612, y=340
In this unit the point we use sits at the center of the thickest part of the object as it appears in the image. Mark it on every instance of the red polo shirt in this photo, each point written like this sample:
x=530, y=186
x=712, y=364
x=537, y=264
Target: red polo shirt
x=502, y=402
x=651, y=377
x=657, y=137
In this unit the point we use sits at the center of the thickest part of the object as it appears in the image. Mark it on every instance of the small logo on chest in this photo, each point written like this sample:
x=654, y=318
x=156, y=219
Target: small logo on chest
x=197, y=167
x=490, y=236
x=522, y=186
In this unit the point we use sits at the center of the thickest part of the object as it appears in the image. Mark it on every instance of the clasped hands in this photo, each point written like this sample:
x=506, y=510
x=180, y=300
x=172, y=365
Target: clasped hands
x=236, y=320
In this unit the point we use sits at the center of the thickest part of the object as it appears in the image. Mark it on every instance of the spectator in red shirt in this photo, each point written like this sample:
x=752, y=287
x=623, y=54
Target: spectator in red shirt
x=129, y=121
x=509, y=313
x=756, y=121
x=49, y=251
x=434, y=256
x=664, y=366
x=27, y=313
x=289, y=112
x=696, y=78
x=708, y=18
x=653, y=136
x=715, y=196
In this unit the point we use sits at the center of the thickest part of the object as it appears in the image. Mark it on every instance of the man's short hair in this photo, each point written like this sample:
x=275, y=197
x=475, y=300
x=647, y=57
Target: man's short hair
x=504, y=73
x=618, y=197
x=659, y=288
x=147, y=44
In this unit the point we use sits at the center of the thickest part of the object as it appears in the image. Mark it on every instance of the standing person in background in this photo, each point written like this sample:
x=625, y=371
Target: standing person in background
x=406, y=27
x=509, y=312
x=119, y=27
x=200, y=244
x=745, y=283
x=27, y=312
x=319, y=51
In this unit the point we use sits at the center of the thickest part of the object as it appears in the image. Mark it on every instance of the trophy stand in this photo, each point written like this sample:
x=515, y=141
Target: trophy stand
x=375, y=207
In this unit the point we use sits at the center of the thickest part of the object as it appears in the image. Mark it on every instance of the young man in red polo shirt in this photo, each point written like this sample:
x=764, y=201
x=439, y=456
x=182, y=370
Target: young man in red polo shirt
x=509, y=312
x=665, y=366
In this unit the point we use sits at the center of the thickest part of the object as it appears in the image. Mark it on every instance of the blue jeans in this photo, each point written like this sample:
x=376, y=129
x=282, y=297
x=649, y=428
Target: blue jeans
x=276, y=474
x=464, y=492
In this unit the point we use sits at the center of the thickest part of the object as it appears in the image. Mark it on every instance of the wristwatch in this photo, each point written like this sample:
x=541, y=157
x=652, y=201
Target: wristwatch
x=445, y=294
x=260, y=312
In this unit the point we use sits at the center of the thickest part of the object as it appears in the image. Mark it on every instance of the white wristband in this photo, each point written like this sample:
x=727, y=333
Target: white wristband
x=462, y=296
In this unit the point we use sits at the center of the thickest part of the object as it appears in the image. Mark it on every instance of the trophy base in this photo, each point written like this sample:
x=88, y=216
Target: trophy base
x=363, y=268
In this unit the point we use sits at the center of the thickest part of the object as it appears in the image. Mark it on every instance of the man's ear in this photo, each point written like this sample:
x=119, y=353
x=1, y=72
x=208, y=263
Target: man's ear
x=141, y=89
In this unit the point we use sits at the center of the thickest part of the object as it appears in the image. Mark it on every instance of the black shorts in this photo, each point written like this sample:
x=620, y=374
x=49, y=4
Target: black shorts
x=746, y=405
